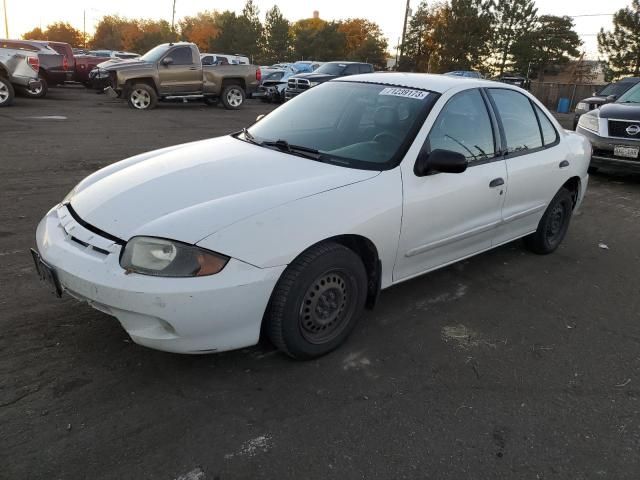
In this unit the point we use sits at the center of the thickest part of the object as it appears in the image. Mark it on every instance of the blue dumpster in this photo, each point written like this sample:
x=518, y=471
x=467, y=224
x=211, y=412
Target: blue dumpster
x=564, y=105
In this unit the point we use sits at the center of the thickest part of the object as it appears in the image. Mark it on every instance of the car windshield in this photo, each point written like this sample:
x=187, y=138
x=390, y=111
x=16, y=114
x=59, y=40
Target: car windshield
x=331, y=68
x=631, y=96
x=615, y=89
x=154, y=54
x=357, y=125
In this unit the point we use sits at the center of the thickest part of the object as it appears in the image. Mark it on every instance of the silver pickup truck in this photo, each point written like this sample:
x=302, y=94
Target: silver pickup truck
x=18, y=68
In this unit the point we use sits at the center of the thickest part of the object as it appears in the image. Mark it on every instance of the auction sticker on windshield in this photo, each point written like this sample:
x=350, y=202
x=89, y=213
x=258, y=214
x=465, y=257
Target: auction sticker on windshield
x=405, y=92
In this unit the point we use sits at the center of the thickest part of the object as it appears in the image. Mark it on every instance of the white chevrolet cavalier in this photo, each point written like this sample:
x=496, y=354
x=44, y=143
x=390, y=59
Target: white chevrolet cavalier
x=294, y=225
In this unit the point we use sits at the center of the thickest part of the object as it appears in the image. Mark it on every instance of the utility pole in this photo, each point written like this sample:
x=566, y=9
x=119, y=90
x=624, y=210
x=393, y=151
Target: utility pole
x=404, y=30
x=173, y=18
x=6, y=19
x=84, y=28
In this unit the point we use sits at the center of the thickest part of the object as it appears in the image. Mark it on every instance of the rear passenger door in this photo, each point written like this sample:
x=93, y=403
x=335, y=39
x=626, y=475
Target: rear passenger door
x=183, y=75
x=536, y=162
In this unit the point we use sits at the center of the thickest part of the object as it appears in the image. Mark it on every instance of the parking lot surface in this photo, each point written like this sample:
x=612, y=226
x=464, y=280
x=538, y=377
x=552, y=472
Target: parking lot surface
x=508, y=365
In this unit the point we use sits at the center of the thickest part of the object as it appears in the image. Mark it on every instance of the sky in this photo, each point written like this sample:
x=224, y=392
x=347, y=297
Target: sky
x=25, y=15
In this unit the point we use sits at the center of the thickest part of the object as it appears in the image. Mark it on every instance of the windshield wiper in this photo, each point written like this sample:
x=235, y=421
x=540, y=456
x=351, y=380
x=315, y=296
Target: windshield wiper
x=249, y=137
x=301, y=150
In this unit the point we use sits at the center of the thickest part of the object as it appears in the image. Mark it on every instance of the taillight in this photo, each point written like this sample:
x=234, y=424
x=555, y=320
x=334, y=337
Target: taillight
x=65, y=63
x=258, y=75
x=34, y=63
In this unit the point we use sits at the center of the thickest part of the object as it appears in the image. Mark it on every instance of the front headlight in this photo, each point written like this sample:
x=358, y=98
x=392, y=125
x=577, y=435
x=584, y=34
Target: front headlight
x=168, y=258
x=589, y=122
x=582, y=106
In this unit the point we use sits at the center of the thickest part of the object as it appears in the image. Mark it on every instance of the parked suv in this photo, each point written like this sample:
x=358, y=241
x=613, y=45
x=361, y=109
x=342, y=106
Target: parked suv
x=175, y=71
x=18, y=68
x=607, y=94
x=614, y=132
x=304, y=81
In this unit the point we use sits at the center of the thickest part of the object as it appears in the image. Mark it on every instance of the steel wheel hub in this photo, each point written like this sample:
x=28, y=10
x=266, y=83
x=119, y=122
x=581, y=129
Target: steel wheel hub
x=4, y=93
x=140, y=99
x=556, y=221
x=324, y=308
x=234, y=97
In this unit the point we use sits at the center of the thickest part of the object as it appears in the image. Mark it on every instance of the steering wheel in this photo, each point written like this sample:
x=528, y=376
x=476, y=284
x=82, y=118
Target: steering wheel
x=387, y=137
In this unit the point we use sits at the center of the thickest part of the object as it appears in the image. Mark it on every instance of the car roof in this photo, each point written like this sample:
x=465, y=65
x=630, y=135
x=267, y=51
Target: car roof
x=424, y=81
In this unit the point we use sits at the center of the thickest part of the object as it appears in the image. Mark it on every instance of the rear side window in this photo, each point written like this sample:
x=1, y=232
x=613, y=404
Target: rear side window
x=181, y=56
x=549, y=133
x=366, y=69
x=464, y=126
x=519, y=120
x=351, y=69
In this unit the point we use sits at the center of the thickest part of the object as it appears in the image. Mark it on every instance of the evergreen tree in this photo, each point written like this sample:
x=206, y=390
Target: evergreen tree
x=512, y=20
x=277, y=37
x=622, y=45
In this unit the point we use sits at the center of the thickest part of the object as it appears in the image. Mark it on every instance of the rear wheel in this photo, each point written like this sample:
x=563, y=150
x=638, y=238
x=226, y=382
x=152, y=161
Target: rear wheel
x=37, y=92
x=553, y=226
x=7, y=93
x=142, y=97
x=317, y=301
x=233, y=97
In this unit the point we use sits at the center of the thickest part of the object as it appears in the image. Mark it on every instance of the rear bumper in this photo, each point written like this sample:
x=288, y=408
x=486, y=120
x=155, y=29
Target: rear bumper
x=603, y=151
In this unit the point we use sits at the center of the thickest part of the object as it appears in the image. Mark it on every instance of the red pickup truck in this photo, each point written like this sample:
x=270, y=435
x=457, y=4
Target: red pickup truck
x=78, y=65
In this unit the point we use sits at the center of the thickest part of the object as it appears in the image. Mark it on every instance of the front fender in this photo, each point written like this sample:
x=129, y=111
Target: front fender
x=372, y=209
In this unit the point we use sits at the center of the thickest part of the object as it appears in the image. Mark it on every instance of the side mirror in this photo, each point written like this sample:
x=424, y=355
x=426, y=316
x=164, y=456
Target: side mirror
x=439, y=161
x=612, y=98
x=259, y=117
x=166, y=61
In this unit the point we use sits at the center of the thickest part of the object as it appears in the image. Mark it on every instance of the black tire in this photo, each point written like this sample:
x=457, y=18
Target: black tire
x=317, y=301
x=211, y=102
x=553, y=225
x=7, y=93
x=142, y=97
x=39, y=92
x=233, y=97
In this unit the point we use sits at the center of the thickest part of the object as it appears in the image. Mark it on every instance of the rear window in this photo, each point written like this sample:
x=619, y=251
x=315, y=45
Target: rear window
x=19, y=46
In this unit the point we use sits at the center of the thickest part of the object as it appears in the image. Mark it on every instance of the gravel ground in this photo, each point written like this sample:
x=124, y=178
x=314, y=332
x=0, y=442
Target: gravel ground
x=505, y=366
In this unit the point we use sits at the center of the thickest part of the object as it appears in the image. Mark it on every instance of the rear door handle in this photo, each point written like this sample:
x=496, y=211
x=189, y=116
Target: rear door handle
x=496, y=182
x=564, y=164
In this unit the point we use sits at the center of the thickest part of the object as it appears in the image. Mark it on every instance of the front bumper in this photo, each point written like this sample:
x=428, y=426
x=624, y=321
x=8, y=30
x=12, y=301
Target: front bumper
x=603, y=151
x=182, y=315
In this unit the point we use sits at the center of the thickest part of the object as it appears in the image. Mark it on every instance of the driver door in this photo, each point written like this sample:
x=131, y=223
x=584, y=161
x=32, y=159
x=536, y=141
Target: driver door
x=183, y=75
x=450, y=216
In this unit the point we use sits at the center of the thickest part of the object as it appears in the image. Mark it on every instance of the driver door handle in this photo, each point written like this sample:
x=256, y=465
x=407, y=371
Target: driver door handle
x=496, y=182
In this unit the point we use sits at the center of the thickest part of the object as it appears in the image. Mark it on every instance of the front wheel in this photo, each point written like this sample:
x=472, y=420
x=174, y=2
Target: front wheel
x=37, y=92
x=142, y=97
x=7, y=93
x=553, y=225
x=317, y=301
x=233, y=97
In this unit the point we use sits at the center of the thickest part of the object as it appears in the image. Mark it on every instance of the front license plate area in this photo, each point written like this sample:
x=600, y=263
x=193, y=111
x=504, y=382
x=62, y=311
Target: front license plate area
x=626, y=152
x=46, y=273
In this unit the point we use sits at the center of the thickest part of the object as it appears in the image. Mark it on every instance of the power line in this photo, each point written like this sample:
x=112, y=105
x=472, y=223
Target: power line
x=593, y=15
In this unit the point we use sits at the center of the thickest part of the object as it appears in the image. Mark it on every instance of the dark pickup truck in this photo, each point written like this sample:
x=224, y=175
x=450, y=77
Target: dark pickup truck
x=302, y=82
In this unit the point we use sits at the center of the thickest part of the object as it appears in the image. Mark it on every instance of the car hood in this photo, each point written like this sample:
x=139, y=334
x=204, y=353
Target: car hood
x=191, y=191
x=127, y=65
x=620, y=111
x=596, y=99
x=315, y=77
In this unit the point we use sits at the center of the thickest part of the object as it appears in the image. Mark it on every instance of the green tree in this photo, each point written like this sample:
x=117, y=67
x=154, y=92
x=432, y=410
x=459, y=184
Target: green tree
x=622, y=45
x=552, y=41
x=249, y=32
x=417, y=50
x=108, y=33
x=57, y=32
x=317, y=39
x=364, y=41
x=277, y=36
x=513, y=19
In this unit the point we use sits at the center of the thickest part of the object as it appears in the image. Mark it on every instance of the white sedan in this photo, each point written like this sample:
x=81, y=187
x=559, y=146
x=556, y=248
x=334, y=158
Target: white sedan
x=294, y=225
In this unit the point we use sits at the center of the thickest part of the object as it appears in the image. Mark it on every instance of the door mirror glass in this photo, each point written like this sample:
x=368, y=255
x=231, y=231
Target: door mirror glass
x=166, y=61
x=440, y=161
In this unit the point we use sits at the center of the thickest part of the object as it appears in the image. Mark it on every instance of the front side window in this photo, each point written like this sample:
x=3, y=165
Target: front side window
x=352, y=124
x=518, y=119
x=464, y=126
x=181, y=56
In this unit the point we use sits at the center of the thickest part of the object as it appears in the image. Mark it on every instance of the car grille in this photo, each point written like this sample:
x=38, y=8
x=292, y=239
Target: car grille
x=618, y=128
x=298, y=84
